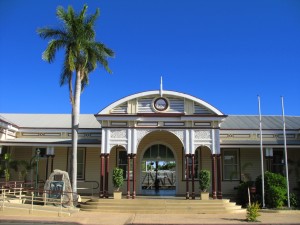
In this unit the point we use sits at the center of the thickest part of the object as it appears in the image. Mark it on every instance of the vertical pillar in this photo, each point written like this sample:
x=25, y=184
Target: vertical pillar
x=128, y=176
x=213, y=170
x=52, y=158
x=187, y=176
x=219, y=178
x=106, y=175
x=193, y=176
x=101, y=175
x=47, y=166
x=133, y=175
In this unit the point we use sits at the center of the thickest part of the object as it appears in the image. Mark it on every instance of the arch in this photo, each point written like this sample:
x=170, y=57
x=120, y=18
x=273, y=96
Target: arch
x=169, y=179
x=107, y=109
x=143, y=133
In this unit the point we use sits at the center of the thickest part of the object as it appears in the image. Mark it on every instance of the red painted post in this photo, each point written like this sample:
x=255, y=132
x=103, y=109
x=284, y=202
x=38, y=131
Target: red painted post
x=128, y=176
x=101, y=175
x=193, y=176
x=106, y=175
x=219, y=193
x=213, y=170
x=187, y=196
x=134, y=176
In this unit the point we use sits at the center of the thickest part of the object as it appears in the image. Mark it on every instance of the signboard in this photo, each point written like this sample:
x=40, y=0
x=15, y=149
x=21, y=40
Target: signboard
x=56, y=189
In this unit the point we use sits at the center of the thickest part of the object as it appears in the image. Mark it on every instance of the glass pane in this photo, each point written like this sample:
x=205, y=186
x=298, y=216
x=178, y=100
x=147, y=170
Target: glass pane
x=80, y=156
x=170, y=154
x=230, y=157
x=154, y=151
x=230, y=172
x=80, y=170
x=124, y=168
x=147, y=154
x=162, y=151
x=122, y=157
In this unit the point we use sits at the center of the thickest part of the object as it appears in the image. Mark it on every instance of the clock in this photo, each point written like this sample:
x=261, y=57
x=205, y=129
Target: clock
x=161, y=104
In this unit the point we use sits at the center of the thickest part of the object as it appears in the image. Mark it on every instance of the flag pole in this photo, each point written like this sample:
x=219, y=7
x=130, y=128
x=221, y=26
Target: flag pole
x=261, y=155
x=285, y=154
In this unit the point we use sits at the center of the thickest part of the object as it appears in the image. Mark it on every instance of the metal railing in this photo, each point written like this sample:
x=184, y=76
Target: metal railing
x=16, y=196
x=92, y=185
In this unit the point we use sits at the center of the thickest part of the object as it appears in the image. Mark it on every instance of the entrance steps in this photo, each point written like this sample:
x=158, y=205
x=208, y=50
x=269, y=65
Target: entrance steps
x=161, y=206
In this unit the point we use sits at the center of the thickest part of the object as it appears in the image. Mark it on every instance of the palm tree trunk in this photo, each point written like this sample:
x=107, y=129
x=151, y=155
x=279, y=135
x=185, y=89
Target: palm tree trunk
x=75, y=128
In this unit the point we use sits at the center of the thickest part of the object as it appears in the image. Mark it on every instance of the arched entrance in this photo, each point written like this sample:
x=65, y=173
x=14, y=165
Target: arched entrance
x=158, y=175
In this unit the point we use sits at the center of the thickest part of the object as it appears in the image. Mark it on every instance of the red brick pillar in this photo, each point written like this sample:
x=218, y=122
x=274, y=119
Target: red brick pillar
x=187, y=176
x=101, y=175
x=219, y=178
x=213, y=176
x=128, y=176
x=133, y=175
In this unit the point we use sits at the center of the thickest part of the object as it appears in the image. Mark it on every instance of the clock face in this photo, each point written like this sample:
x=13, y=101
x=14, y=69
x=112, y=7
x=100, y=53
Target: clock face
x=161, y=104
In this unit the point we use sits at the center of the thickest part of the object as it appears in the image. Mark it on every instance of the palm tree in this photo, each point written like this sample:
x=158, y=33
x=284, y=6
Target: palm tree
x=82, y=55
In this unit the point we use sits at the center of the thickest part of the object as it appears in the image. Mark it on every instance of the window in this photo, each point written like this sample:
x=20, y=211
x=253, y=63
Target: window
x=231, y=164
x=80, y=163
x=42, y=153
x=278, y=161
x=122, y=161
x=3, y=162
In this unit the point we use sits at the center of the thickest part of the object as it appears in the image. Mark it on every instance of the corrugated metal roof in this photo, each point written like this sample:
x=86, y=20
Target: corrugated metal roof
x=252, y=122
x=237, y=122
x=50, y=120
x=50, y=141
x=257, y=142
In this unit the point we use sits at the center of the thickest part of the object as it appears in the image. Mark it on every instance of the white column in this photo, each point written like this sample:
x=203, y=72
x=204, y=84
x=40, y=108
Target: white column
x=107, y=146
x=217, y=141
x=129, y=141
x=186, y=142
x=192, y=137
x=213, y=142
x=103, y=145
x=134, y=141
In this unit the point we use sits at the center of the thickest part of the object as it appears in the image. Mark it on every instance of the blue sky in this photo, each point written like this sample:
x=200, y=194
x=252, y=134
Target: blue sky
x=223, y=52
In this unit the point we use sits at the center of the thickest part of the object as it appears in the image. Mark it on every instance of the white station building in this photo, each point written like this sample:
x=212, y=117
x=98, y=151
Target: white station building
x=156, y=136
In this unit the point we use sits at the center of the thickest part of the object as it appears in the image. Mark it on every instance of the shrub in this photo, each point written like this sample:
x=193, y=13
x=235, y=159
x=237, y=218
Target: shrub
x=294, y=200
x=275, y=189
x=118, y=179
x=242, y=193
x=252, y=212
x=204, y=180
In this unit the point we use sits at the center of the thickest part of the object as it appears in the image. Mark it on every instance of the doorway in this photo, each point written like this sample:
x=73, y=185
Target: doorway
x=158, y=171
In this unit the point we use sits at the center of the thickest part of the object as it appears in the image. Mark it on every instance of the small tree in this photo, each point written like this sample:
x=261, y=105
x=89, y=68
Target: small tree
x=204, y=180
x=118, y=179
x=252, y=212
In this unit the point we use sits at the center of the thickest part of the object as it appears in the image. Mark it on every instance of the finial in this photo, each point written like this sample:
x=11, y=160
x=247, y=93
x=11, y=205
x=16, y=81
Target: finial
x=161, y=86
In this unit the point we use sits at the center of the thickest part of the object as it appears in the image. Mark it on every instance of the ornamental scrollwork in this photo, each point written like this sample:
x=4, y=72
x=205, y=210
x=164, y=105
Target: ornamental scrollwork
x=141, y=134
x=202, y=135
x=116, y=134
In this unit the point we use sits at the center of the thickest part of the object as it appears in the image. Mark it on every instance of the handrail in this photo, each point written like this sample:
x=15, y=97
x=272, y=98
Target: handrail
x=89, y=188
x=8, y=196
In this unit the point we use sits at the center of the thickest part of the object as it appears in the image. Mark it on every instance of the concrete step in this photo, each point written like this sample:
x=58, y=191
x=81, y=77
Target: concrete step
x=163, y=206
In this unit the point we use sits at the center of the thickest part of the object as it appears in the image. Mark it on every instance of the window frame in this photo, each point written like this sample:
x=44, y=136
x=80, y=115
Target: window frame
x=83, y=163
x=238, y=164
x=118, y=150
x=281, y=165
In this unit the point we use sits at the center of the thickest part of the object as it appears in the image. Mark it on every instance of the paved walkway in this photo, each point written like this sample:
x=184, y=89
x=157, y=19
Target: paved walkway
x=20, y=216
